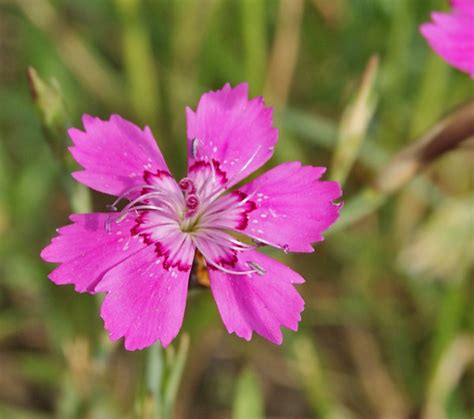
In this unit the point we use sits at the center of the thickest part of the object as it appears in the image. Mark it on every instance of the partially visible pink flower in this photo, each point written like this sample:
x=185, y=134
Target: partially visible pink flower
x=142, y=254
x=452, y=35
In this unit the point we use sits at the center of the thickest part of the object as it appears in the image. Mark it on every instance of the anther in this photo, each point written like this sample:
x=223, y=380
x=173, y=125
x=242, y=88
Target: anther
x=219, y=267
x=116, y=220
x=194, y=147
x=121, y=217
x=258, y=269
x=107, y=225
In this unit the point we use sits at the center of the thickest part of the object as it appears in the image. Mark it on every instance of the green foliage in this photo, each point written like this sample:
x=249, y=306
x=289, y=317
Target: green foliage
x=248, y=399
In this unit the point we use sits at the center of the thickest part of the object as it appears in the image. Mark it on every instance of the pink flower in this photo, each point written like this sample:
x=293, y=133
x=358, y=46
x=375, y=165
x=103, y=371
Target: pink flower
x=142, y=254
x=452, y=36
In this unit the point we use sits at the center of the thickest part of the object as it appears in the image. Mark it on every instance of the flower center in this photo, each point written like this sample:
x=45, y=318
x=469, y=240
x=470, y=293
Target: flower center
x=190, y=197
x=190, y=219
x=191, y=214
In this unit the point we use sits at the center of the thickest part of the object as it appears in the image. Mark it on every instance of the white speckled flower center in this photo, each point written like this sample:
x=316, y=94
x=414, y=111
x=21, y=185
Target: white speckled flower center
x=192, y=214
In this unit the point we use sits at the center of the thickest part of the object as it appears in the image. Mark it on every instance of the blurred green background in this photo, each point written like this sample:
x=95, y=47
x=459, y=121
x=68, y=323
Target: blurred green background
x=387, y=329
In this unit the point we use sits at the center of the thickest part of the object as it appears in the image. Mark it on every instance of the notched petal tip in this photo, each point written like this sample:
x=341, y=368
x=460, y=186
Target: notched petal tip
x=89, y=120
x=284, y=197
x=129, y=344
x=75, y=134
x=85, y=251
x=276, y=339
x=261, y=304
x=46, y=255
x=232, y=129
x=145, y=302
x=135, y=346
x=114, y=153
x=132, y=344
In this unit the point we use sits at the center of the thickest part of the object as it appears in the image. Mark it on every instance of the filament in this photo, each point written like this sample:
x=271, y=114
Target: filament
x=222, y=268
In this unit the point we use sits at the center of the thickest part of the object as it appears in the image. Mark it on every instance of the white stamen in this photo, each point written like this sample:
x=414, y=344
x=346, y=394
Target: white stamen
x=142, y=198
x=194, y=147
x=220, y=267
x=229, y=242
x=261, y=242
x=260, y=270
x=124, y=213
x=249, y=161
x=229, y=271
x=128, y=191
x=247, y=198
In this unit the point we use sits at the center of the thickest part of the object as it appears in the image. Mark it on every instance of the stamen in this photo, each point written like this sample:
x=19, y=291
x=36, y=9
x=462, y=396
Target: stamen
x=262, y=242
x=228, y=242
x=249, y=161
x=194, y=147
x=247, y=198
x=220, y=267
x=150, y=195
x=258, y=243
x=121, y=217
x=260, y=270
x=124, y=213
x=242, y=244
x=149, y=207
x=113, y=206
x=229, y=271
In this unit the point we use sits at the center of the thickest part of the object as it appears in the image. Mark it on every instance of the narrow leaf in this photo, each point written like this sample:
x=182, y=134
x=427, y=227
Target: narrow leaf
x=354, y=123
x=248, y=400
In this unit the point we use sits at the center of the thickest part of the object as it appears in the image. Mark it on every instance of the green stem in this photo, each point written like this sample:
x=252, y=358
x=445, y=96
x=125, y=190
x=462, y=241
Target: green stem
x=154, y=378
x=170, y=391
x=163, y=372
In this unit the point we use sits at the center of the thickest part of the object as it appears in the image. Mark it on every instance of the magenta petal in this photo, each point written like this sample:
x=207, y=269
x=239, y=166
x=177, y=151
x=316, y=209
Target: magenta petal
x=114, y=154
x=235, y=132
x=260, y=303
x=144, y=303
x=451, y=36
x=464, y=7
x=86, y=250
x=293, y=207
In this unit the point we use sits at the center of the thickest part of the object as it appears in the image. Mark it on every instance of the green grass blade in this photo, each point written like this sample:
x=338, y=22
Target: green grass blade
x=248, y=400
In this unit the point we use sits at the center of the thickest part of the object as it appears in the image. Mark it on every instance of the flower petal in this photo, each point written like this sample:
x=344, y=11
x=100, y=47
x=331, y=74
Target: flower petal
x=293, y=207
x=230, y=211
x=233, y=131
x=114, y=154
x=451, y=35
x=145, y=302
x=463, y=7
x=260, y=303
x=86, y=250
